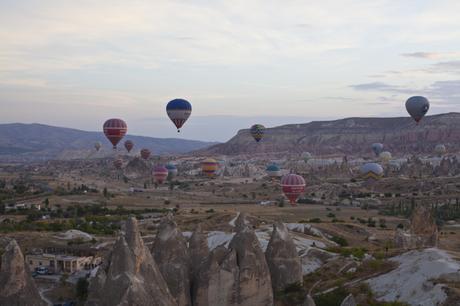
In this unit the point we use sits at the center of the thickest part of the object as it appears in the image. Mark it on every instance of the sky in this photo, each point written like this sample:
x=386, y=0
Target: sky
x=77, y=63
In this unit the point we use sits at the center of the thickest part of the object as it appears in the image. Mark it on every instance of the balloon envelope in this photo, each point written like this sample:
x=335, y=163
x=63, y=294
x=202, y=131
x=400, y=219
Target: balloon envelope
x=179, y=111
x=209, y=167
x=145, y=153
x=293, y=186
x=172, y=170
x=440, y=149
x=257, y=131
x=115, y=130
x=371, y=171
x=97, y=146
x=129, y=145
x=273, y=170
x=377, y=148
x=417, y=107
x=160, y=173
x=385, y=156
x=307, y=156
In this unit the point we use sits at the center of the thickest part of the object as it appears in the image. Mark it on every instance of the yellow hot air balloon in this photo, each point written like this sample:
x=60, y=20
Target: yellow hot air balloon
x=209, y=167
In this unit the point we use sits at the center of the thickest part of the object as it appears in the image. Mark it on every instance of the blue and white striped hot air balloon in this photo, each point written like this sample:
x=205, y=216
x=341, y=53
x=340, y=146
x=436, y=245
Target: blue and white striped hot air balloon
x=178, y=111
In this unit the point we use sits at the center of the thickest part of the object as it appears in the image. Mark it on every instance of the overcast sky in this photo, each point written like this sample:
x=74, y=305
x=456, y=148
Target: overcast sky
x=76, y=63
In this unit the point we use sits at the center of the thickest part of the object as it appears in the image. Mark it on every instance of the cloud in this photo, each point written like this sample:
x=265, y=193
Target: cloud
x=379, y=86
x=427, y=55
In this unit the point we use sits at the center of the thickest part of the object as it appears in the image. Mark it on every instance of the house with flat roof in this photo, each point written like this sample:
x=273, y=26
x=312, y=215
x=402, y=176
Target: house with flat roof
x=58, y=263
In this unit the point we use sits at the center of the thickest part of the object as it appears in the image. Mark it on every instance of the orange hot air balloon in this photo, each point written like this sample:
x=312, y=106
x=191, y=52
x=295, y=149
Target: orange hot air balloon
x=209, y=167
x=145, y=153
x=293, y=186
x=129, y=145
x=115, y=130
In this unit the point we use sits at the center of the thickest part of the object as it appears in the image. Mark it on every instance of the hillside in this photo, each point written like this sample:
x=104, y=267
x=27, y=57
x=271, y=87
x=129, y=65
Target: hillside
x=31, y=142
x=350, y=136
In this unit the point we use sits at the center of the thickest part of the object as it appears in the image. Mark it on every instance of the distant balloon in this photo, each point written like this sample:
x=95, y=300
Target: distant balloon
x=209, y=167
x=179, y=111
x=160, y=173
x=417, y=107
x=115, y=130
x=293, y=186
x=97, y=146
x=385, y=156
x=371, y=171
x=145, y=153
x=172, y=170
x=129, y=145
x=118, y=163
x=440, y=149
x=377, y=148
x=273, y=170
x=257, y=131
x=306, y=156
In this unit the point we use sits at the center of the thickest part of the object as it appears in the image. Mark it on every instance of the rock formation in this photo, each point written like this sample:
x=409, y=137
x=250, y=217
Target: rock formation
x=137, y=168
x=349, y=301
x=309, y=301
x=172, y=256
x=283, y=259
x=16, y=284
x=254, y=283
x=131, y=276
x=199, y=256
x=423, y=231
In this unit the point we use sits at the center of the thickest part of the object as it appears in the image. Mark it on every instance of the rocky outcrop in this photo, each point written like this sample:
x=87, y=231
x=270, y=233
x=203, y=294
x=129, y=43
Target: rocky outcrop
x=199, y=257
x=16, y=284
x=137, y=168
x=254, y=282
x=282, y=259
x=131, y=276
x=172, y=256
x=423, y=231
x=309, y=301
x=349, y=301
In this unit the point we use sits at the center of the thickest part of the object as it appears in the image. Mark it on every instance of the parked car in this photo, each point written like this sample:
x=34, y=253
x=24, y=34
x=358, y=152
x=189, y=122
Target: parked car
x=42, y=270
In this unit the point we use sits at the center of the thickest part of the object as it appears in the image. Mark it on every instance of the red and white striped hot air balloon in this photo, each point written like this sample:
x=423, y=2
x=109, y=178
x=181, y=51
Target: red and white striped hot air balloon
x=293, y=186
x=115, y=130
x=160, y=173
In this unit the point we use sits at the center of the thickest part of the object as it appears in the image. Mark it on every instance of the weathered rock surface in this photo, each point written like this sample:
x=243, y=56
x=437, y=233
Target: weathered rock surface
x=137, y=168
x=172, y=256
x=309, y=301
x=423, y=231
x=132, y=276
x=349, y=301
x=17, y=287
x=254, y=282
x=199, y=256
x=282, y=259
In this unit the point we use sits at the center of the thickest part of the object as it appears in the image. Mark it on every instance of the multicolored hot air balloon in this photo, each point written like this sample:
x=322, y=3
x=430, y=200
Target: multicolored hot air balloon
x=172, y=170
x=293, y=186
x=273, y=171
x=97, y=146
x=118, y=163
x=209, y=167
x=160, y=173
x=257, y=131
x=306, y=156
x=371, y=171
x=129, y=145
x=145, y=153
x=440, y=149
x=115, y=130
x=178, y=111
x=417, y=107
x=377, y=148
x=385, y=156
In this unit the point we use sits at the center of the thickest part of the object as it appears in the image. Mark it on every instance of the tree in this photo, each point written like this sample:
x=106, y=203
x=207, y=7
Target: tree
x=105, y=193
x=47, y=203
x=82, y=289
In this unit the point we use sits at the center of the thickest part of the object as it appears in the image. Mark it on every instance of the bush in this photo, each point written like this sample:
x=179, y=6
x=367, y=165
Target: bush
x=315, y=220
x=331, y=215
x=334, y=297
x=82, y=289
x=340, y=240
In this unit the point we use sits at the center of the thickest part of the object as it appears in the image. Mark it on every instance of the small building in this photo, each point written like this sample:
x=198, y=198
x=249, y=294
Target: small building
x=57, y=263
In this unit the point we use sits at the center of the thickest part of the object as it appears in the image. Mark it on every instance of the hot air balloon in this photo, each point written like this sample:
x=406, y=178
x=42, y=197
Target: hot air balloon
x=114, y=130
x=306, y=156
x=293, y=186
x=145, y=153
x=417, y=107
x=172, y=170
x=129, y=145
x=440, y=149
x=209, y=167
x=371, y=171
x=178, y=111
x=118, y=163
x=257, y=131
x=377, y=148
x=273, y=171
x=385, y=156
x=160, y=173
x=97, y=146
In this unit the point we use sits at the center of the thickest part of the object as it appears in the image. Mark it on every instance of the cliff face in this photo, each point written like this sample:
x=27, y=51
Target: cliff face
x=350, y=136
